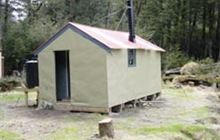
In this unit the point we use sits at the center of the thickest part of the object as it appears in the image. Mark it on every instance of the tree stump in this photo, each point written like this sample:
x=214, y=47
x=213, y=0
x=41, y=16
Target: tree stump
x=106, y=128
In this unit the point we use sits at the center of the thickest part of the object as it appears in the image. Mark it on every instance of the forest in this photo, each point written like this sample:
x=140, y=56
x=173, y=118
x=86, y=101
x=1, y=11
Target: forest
x=80, y=92
x=186, y=29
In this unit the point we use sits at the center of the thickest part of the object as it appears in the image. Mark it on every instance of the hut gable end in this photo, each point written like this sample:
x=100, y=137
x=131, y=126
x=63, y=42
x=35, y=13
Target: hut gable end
x=74, y=29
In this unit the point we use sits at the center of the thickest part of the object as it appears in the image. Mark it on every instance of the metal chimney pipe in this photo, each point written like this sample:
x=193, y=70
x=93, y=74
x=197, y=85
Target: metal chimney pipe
x=131, y=17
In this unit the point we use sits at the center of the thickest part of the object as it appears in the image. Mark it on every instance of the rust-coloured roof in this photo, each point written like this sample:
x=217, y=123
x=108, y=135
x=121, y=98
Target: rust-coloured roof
x=117, y=39
x=106, y=39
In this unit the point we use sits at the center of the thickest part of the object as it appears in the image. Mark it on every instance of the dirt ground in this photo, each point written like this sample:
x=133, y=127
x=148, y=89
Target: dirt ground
x=183, y=113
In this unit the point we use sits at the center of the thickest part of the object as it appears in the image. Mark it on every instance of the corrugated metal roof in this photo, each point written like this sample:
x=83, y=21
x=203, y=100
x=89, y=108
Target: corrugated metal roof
x=116, y=39
x=106, y=39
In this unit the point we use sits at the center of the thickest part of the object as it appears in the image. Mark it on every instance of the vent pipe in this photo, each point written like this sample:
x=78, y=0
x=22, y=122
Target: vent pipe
x=131, y=17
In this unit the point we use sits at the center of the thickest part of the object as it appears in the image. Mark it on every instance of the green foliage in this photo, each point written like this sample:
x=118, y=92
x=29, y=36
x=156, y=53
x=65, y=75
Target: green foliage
x=188, y=25
x=186, y=29
x=21, y=41
x=206, y=61
x=174, y=59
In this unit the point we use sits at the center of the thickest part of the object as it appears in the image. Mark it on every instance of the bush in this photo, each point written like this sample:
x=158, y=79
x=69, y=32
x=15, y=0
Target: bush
x=8, y=83
x=206, y=61
x=173, y=59
x=209, y=67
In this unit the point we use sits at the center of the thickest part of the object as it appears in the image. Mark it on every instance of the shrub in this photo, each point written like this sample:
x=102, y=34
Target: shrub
x=8, y=83
x=173, y=59
x=206, y=61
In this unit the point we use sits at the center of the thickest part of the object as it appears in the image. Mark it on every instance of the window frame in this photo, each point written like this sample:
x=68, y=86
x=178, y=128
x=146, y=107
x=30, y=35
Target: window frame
x=132, y=56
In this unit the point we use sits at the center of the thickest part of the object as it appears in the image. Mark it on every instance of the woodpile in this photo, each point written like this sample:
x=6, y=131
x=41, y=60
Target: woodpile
x=194, y=74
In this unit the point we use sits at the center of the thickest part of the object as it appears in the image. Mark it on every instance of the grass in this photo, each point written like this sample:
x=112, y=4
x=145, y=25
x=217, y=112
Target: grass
x=172, y=128
x=186, y=93
x=197, y=112
x=1, y=114
x=188, y=131
x=71, y=133
x=13, y=96
x=80, y=126
x=8, y=135
x=75, y=131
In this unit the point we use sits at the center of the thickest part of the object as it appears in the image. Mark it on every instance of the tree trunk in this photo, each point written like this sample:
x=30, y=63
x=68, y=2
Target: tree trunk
x=109, y=10
x=204, y=28
x=0, y=25
x=183, y=22
x=189, y=29
x=218, y=31
x=4, y=26
x=211, y=28
x=6, y=16
x=140, y=2
x=192, y=28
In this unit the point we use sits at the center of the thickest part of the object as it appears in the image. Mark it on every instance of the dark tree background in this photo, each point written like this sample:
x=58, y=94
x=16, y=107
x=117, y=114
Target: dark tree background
x=187, y=29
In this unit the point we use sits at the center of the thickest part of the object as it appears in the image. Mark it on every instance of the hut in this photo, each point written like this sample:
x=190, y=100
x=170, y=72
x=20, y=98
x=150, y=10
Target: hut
x=90, y=69
x=84, y=68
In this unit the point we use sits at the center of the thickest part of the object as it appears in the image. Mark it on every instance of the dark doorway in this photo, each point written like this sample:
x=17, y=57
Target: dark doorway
x=62, y=75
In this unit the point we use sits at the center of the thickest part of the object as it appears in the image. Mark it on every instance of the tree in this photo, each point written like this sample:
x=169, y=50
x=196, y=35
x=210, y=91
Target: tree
x=190, y=26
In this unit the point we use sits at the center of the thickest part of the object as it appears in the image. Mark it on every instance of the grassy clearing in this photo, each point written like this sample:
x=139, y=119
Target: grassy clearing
x=8, y=135
x=182, y=105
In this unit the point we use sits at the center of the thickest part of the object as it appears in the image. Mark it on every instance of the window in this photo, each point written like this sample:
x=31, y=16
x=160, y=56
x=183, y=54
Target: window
x=131, y=57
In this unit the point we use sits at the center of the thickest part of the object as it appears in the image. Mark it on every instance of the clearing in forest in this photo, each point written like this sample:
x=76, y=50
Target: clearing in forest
x=184, y=113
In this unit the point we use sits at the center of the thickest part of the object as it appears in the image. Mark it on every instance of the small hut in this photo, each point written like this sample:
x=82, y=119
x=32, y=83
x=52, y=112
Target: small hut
x=93, y=69
x=84, y=68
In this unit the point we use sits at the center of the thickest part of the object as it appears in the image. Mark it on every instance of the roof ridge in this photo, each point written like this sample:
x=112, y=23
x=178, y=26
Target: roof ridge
x=100, y=28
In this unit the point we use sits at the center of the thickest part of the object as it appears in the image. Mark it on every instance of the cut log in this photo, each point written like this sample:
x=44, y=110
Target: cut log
x=106, y=128
x=175, y=71
x=191, y=83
